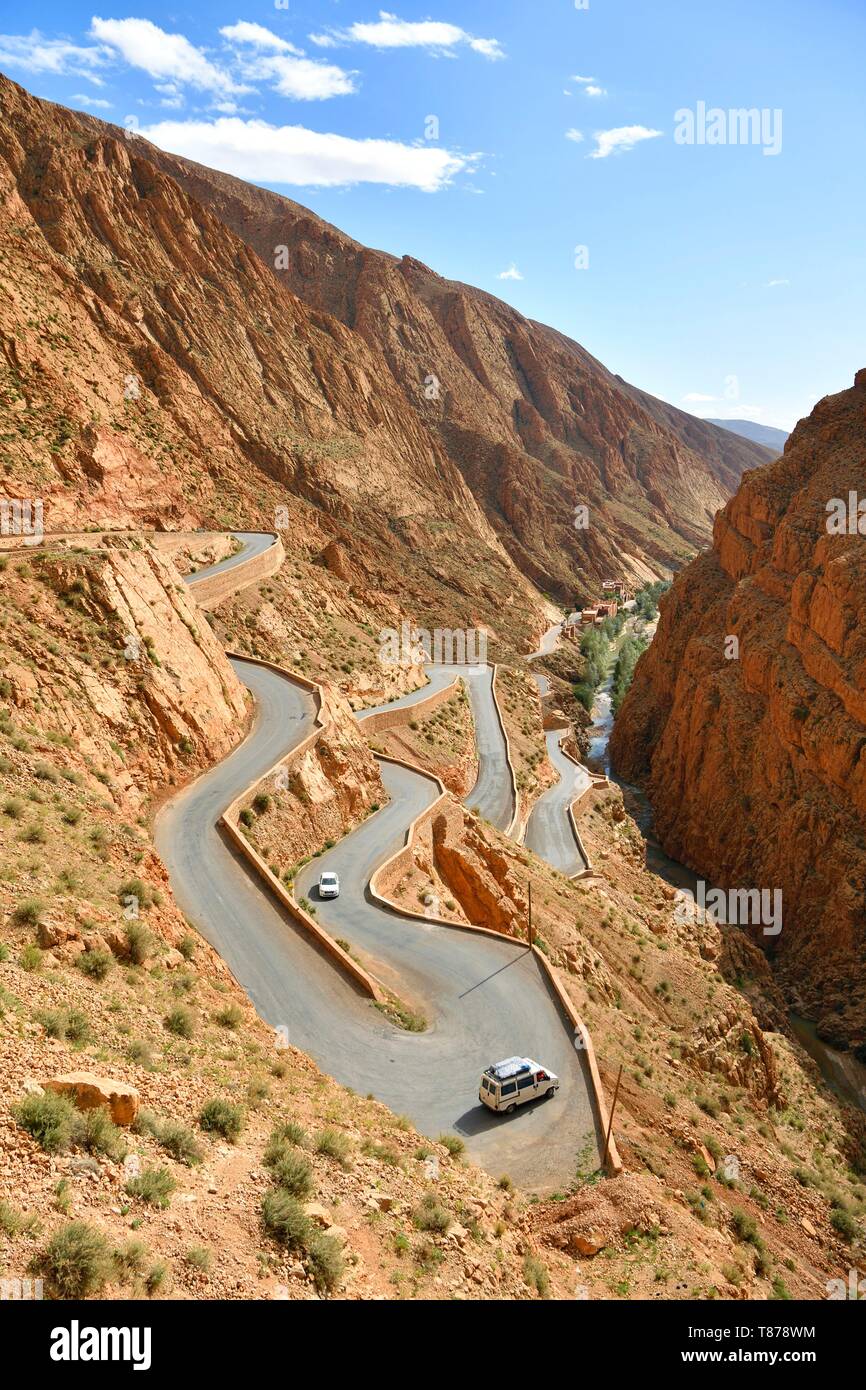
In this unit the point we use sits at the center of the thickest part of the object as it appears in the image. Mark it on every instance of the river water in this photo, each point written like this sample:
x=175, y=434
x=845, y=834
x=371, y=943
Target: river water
x=841, y=1070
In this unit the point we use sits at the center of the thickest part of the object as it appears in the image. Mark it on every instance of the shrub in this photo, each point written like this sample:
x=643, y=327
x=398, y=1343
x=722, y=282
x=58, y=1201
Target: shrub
x=154, y=1185
x=54, y=1022
x=12, y=1222
x=129, y=1260
x=429, y=1215
x=76, y=1260
x=96, y=1133
x=200, y=1258
x=291, y=1171
x=139, y=1051
x=30, y=958
x=50, y=1119
x=261, y=803
x=452, y=1143
x=291, y=1132
x=536, y=1275
x=180, y=1021
x=180, y=1141
x=156, y=1278
x=35, y=834
x=844, y=1223
x=77, y=1026
x=187, y=947
x=139, y=942
x=745, y=1226
x=95, y=964
x=28, y=913
x=325, y=1261
x=144, y=895
x=285, y=1219
x=222, y=1117
x=230, y=1017
x=332, y=1144
x=13, y=807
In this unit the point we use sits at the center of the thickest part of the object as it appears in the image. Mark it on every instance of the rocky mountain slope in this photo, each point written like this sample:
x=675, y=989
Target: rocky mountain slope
x=536, y=425
x=154, y=373
x=147, y=323
x=755, y=765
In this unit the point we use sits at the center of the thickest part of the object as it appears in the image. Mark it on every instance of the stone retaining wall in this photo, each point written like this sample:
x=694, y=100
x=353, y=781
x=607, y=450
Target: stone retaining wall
x=214, y=589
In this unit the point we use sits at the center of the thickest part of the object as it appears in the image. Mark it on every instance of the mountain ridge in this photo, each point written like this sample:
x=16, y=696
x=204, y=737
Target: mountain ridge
x=534, y=423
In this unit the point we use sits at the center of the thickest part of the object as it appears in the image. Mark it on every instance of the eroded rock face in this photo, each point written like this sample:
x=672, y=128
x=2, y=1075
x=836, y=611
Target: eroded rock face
x=90, y=1092
x=754, y=755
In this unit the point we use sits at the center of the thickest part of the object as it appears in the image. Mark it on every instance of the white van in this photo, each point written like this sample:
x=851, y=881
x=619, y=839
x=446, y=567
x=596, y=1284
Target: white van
x=515, y=1081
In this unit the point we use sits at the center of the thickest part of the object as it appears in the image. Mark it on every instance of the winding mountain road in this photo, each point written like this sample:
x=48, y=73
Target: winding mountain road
x=493, y=794
x=252, y=543
x=549, y=832
x=483, y=998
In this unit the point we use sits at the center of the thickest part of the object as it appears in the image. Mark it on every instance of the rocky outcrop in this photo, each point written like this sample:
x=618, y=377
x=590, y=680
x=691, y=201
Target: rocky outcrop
x=747, y=716
x=91, y=1092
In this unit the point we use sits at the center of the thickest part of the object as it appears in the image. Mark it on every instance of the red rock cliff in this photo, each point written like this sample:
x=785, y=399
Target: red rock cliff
x=756, y=766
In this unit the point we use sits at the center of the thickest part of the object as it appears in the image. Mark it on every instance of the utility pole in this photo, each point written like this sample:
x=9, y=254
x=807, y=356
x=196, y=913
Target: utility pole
x=529, y=891
x=610, y=1121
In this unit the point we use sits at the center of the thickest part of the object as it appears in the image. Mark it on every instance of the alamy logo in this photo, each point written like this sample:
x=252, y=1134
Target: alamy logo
x=414, y=646
x=846, y=518
x=737, y=126
x=740, y=907
x=77, y=1343
x=22, y=516
x=854, y=1287
x=14, y=1290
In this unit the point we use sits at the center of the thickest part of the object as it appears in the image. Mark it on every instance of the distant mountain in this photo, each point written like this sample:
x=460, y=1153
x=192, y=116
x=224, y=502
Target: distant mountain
x=759, y=434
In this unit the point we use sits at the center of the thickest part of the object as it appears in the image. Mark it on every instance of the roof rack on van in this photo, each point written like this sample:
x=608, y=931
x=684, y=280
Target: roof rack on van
x=512, y=1066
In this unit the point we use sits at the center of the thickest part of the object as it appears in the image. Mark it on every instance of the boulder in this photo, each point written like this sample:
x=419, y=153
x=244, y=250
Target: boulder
x=90, y=1091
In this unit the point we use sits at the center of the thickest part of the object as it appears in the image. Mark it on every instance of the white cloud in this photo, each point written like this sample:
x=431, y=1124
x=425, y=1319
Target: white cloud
x=34, y=53
x=591, y=87
x=512, y=273
x=259, y=37
x=390, y=32
x=144, y=45
x=694, y=396
x=299, y=78
x=91, y=101
x=284, y=67
x=621, y=139
x=772, y=284
x=575, y=135
x=263, y=153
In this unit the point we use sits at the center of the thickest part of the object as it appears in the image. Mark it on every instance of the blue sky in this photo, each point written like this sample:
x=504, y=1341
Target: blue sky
x=565, y=171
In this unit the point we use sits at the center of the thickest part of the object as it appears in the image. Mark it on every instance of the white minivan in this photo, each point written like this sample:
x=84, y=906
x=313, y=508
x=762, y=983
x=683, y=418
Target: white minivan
x=515, y=1081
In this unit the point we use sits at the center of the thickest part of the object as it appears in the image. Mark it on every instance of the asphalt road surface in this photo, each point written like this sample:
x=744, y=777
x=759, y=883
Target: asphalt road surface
x=492, y=795
x=484, y=999
x=548, y=831
x=252, y=542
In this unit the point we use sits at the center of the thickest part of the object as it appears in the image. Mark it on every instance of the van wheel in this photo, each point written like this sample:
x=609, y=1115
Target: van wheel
x=551, y=1092
x=510, y=1109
